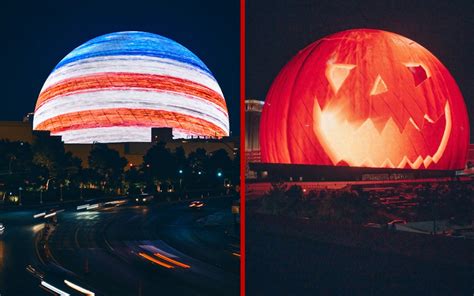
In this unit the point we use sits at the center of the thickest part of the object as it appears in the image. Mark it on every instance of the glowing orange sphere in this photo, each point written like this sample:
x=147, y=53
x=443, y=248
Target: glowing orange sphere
x=365, y=98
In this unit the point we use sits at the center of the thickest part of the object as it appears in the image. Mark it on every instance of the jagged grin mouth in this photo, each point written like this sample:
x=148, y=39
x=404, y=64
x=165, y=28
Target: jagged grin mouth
x=364, y=145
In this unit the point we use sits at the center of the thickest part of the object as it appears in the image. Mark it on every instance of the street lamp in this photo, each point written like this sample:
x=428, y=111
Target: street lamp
x=180, y=171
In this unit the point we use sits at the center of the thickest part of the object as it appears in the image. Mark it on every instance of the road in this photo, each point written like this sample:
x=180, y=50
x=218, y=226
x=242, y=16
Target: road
x=128, y=250
x=17, y=250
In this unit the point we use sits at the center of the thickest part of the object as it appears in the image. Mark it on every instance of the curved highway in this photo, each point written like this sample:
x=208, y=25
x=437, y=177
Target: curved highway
x=124, y=249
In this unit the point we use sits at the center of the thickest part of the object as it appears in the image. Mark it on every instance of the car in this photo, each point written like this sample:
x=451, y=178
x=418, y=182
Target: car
x=144, y=198
x=2, y=228
x=197, y=204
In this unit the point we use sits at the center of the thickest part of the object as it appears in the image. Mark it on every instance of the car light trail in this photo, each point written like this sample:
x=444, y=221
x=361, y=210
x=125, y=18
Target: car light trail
x=37, y=227
x=81, y=207
x=154, y=260
x=54, y=289
x=153, y=249
x=79, y=288
x=39, y=215
x=94, y=206
x=50, y=215
x=236, y=254
x=172, y=260
x=115, y=202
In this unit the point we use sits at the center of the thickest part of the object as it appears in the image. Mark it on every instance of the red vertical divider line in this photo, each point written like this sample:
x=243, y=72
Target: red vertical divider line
x=242, y=147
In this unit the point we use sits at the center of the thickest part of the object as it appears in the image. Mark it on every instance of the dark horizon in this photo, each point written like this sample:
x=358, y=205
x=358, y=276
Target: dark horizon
x=279, y=31
x=40, y=36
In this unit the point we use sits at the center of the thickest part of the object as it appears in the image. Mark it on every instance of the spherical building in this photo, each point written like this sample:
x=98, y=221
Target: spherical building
x=116, y=87
x=365, y=98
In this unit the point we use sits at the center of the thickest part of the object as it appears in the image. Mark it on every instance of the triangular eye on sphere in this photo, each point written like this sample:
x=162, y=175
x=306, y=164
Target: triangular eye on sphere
x=379, y=86
x=419, y=72
x=336, y=74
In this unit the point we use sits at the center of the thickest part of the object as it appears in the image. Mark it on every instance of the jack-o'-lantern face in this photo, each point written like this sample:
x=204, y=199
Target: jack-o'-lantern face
x=365, y=98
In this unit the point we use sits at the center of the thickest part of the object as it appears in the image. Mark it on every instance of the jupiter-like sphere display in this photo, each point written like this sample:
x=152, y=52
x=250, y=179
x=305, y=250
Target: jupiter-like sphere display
x=117, y=87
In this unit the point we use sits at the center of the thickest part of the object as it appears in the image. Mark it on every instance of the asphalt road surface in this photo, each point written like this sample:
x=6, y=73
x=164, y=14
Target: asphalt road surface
x=125, y=250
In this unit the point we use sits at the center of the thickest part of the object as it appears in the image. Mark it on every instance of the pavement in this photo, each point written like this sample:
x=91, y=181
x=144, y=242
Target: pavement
x=124, y=250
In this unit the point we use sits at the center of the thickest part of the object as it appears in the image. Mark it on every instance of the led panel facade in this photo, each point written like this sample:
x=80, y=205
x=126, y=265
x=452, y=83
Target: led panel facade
x=365, y=98
x=116, y=87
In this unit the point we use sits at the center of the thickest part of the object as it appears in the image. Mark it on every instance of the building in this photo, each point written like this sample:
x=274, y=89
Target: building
x=132, y=151
x=352, y=99
x=117, y=87
x=253, y=111
x=470, y=156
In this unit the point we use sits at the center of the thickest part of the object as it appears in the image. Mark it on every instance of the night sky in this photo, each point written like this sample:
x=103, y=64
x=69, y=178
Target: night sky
x=36, y=35
x=278, y=29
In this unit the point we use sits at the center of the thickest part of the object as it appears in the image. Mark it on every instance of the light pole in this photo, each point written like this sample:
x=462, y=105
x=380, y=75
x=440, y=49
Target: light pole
x=10, y=163
x=19, y=194
x=180, y=180
x=61, y=192
x=41, y=194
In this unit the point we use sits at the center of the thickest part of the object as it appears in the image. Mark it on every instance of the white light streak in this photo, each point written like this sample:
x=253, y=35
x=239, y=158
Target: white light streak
x=39, y=215
x=50, y=215
x=79, y=288
x=133, y=99
x=54, y=289
x=81, y=207
x=133, y=65
x=94, y=206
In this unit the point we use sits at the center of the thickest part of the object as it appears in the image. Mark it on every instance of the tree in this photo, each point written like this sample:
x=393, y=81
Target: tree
x=198, y=161
x=49, y=153
x=345, y=206
x=219, y=161
x=274, y=198
x=108, y=165
x=59, y=166
x=160, y=163
x=294, y=198
x=15, y=156
x=180, y=158
x=135, y=180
